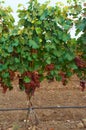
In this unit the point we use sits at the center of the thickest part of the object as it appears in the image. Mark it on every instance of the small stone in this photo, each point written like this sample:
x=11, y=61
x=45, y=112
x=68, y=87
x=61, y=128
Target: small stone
x=84, y=122
x=32, y=128
x=10, y=128
x=26, y=121
x=68, y=121
x=51, y=129
x=80, y=125
x=54, y=122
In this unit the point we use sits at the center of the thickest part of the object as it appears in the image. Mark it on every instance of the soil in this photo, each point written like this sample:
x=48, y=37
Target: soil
x=49, y=94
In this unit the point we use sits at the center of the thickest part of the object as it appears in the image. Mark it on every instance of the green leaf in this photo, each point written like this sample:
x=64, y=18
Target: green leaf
x=58, y=78
x=67, y=27
x=17, y=60
x=15, y=43
x=42, y=78
x=1, y=67
x=66, y=37
x=39, y=22
x=20, y=5
x=38, y=30
x=69, y=74
x=27, y=79
x=48, y=61
x=34, y=56
x=10, y=49
x=5, y=67
x=33, y=44
x=5, y=75
x=73, y=66
x=29, y=58
x=36, y=67
x=21, y=87
x=57, y=53
x=69, y=56
x=43, y=16
x=0, y=29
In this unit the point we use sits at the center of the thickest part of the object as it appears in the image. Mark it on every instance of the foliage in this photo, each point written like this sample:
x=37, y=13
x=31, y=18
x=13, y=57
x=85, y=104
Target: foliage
x=40, y=46
x=6, y=26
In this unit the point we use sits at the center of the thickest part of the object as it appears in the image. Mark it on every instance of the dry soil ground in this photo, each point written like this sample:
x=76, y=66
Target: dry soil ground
x=49, y=94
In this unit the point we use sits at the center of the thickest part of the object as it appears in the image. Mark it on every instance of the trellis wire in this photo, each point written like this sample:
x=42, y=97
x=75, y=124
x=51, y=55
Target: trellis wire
x=43, y=107
x=78, y=80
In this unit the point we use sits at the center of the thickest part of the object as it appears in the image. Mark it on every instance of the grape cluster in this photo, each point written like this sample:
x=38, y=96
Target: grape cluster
x=3, y=86
x=80, y=63
x=83, y=85
x=34, y=51
x=49, y=67
x=12, y=74
x=64, y=77
x=32, y=84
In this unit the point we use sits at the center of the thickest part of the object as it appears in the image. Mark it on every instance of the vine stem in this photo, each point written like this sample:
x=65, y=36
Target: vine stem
x=30, y=111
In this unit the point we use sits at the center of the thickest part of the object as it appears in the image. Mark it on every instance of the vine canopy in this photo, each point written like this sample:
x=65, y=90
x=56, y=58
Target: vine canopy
x=40, y=45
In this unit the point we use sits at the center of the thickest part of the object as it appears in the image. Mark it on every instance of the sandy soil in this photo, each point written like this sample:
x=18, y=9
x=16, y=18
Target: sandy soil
x=49, y=94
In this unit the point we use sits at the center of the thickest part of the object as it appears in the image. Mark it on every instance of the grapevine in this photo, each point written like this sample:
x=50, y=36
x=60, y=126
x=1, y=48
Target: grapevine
x=40, y=46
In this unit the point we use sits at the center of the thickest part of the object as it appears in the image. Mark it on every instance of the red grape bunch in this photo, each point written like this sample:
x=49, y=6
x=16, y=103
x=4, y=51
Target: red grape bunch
x=31, y=83
x=4, y=87
x=49, y=67
x=64, y=78
x=80, y=63
x=83, y=85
